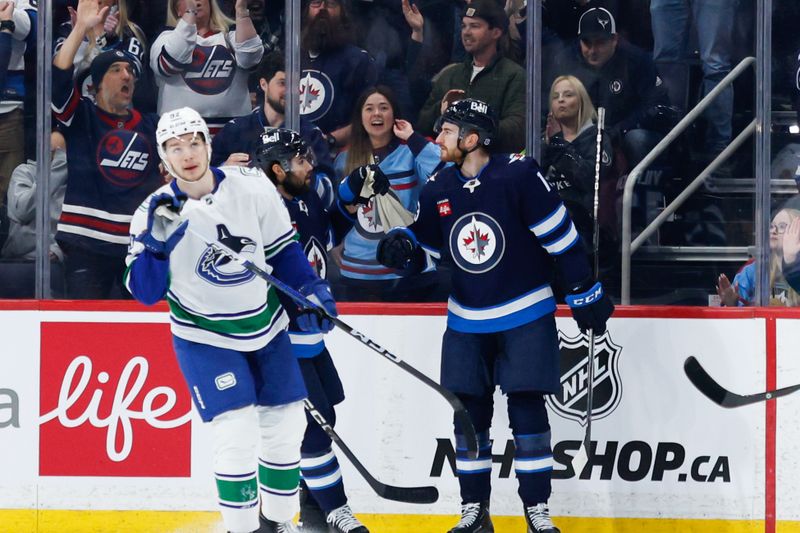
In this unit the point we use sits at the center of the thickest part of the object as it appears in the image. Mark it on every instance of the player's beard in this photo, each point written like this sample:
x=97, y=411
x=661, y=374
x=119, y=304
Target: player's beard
x=324, y=33
x=294, y=185
x=276, y=105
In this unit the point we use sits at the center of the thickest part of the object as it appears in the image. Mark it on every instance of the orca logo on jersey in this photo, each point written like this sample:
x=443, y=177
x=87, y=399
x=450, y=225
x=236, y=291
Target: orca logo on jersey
x=217, y=268
x=570, y=402
x=316, y=94
x=211, y=71
x=124, y=158
x=477, y=243
x=317, y=257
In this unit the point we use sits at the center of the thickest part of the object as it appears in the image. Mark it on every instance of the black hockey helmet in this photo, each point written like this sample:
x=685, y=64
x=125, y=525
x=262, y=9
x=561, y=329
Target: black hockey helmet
x=279, y=145
x=471, y=115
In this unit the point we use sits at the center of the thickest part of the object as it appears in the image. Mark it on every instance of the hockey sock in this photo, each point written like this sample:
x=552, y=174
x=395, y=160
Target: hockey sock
x=234, y=468
x=533, y=459
x=324, y=479
x=282, y=429
x=475, y=475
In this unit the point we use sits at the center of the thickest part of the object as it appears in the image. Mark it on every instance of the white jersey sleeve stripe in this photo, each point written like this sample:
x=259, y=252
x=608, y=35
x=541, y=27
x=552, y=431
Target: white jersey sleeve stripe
x=550, y=223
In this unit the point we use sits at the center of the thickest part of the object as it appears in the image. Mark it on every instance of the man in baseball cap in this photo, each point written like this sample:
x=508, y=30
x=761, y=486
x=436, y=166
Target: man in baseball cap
x=486, y=74
x=597, y=31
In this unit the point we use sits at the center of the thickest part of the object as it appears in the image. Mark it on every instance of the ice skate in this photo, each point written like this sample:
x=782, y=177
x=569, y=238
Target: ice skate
x=474, y=519
x=538, y=519
x=342, y=520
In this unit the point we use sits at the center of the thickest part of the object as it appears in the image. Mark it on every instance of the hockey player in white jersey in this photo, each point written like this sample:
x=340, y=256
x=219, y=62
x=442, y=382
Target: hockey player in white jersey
x=228, y=327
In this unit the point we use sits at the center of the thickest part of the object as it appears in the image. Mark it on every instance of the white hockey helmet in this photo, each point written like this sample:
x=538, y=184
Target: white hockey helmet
x=175, y=123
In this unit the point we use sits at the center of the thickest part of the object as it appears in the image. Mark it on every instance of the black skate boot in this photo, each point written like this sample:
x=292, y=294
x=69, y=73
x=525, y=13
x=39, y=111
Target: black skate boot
x=474, y=519
x=538, y=519
x=268, y=526
x=342, y=520
x=312, y=518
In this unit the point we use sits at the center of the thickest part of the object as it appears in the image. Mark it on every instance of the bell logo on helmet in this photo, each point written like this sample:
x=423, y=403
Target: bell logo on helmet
x=480, y=107
x=270, y=137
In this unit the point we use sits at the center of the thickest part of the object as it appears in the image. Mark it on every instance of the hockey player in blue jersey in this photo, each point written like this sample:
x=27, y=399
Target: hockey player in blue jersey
x=228, y=328
x=283, y=155
x=503, y=227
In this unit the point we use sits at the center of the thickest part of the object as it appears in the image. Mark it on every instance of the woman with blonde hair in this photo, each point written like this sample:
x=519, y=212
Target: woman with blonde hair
x=570, y=153
x=742, y=292
x=201, y=62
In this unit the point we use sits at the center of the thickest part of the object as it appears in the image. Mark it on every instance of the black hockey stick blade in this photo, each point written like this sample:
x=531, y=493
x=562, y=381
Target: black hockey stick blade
x=721, y=396
x=428, y=494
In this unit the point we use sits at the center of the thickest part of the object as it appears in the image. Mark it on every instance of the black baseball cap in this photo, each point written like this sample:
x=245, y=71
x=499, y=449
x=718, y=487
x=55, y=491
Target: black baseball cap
x=597, y=22
x=488, y=10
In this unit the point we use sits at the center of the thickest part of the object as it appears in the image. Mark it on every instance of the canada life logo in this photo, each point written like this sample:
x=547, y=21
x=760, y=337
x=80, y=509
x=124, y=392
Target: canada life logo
x=112, y=402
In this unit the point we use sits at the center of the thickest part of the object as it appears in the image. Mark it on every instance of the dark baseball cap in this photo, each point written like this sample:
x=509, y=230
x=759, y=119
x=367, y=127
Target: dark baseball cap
x=597, y=22
x=104, y=60
x=488, y=10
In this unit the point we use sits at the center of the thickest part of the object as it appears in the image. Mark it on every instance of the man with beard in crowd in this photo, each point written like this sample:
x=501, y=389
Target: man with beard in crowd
x=239, y=137
x=334, y=71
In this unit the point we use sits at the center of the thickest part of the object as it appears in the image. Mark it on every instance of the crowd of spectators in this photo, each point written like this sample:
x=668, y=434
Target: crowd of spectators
x=375, y=76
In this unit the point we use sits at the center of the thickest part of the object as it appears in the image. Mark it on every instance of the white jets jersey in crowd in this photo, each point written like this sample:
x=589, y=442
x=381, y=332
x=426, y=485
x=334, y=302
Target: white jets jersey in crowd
x=207, y=73
x=212, y=299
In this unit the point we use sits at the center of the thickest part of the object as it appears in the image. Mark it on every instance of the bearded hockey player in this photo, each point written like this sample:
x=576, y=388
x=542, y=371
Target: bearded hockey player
x=284, y=156
x=229, y=329
x=502, y=226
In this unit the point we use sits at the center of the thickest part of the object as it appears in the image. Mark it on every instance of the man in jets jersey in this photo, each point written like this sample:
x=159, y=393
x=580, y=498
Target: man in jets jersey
x=229, y=329
x=503, y=227
x=283, y=155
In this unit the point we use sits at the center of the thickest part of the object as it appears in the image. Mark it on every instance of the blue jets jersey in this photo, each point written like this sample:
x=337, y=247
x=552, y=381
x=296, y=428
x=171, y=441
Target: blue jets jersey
x=113, y=166
x=313, y=226
x=502, y=230
x=330, y=84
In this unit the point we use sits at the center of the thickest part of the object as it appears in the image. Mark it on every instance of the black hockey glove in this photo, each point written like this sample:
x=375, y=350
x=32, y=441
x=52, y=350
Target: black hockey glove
x=590, y=307
x=350, y=189
x=396, y=250
x=163, y=233
x=319, y=293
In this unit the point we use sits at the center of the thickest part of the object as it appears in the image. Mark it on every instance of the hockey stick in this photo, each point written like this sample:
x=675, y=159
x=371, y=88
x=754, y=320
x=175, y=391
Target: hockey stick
x=721, y=396
x=460, y=412
x=582, y=457
x=389, y=492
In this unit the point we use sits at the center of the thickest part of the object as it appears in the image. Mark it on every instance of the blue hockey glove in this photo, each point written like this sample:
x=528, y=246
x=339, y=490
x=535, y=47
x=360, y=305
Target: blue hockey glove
x=163, y=234
x=350, y=189
x=590, y=307
x=396, y=249
x=319, y=292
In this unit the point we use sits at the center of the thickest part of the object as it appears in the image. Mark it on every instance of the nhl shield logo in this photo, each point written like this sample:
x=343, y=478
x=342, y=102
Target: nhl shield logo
x=570, y=402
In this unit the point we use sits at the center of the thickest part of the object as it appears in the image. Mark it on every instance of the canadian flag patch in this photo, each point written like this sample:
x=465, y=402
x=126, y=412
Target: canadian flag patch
x=444, y=207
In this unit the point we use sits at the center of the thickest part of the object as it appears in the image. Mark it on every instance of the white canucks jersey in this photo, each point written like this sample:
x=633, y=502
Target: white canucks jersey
x=207, y=73
x=212, y=299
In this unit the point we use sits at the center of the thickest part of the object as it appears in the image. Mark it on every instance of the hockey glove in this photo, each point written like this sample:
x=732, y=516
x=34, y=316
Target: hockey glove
x=163, y=234
x=396, y=249
x=590, y=307
x=350, y=190
x=319, y=293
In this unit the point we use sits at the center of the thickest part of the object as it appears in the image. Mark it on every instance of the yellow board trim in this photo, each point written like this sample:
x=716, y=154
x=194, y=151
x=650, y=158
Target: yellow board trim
x=29, y=521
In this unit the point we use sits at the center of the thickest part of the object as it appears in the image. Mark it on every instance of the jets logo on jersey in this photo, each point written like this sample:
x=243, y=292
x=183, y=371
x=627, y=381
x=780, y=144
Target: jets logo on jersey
x=315, y=253
x=211, y=71
x=368, y=223
x=477, y=243
x=316, y=94
x=570, y=401
x=123, y=157
x=217, y=268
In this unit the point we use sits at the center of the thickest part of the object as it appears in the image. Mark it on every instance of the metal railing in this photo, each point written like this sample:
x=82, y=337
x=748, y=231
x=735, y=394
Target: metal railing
x=628, y=246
